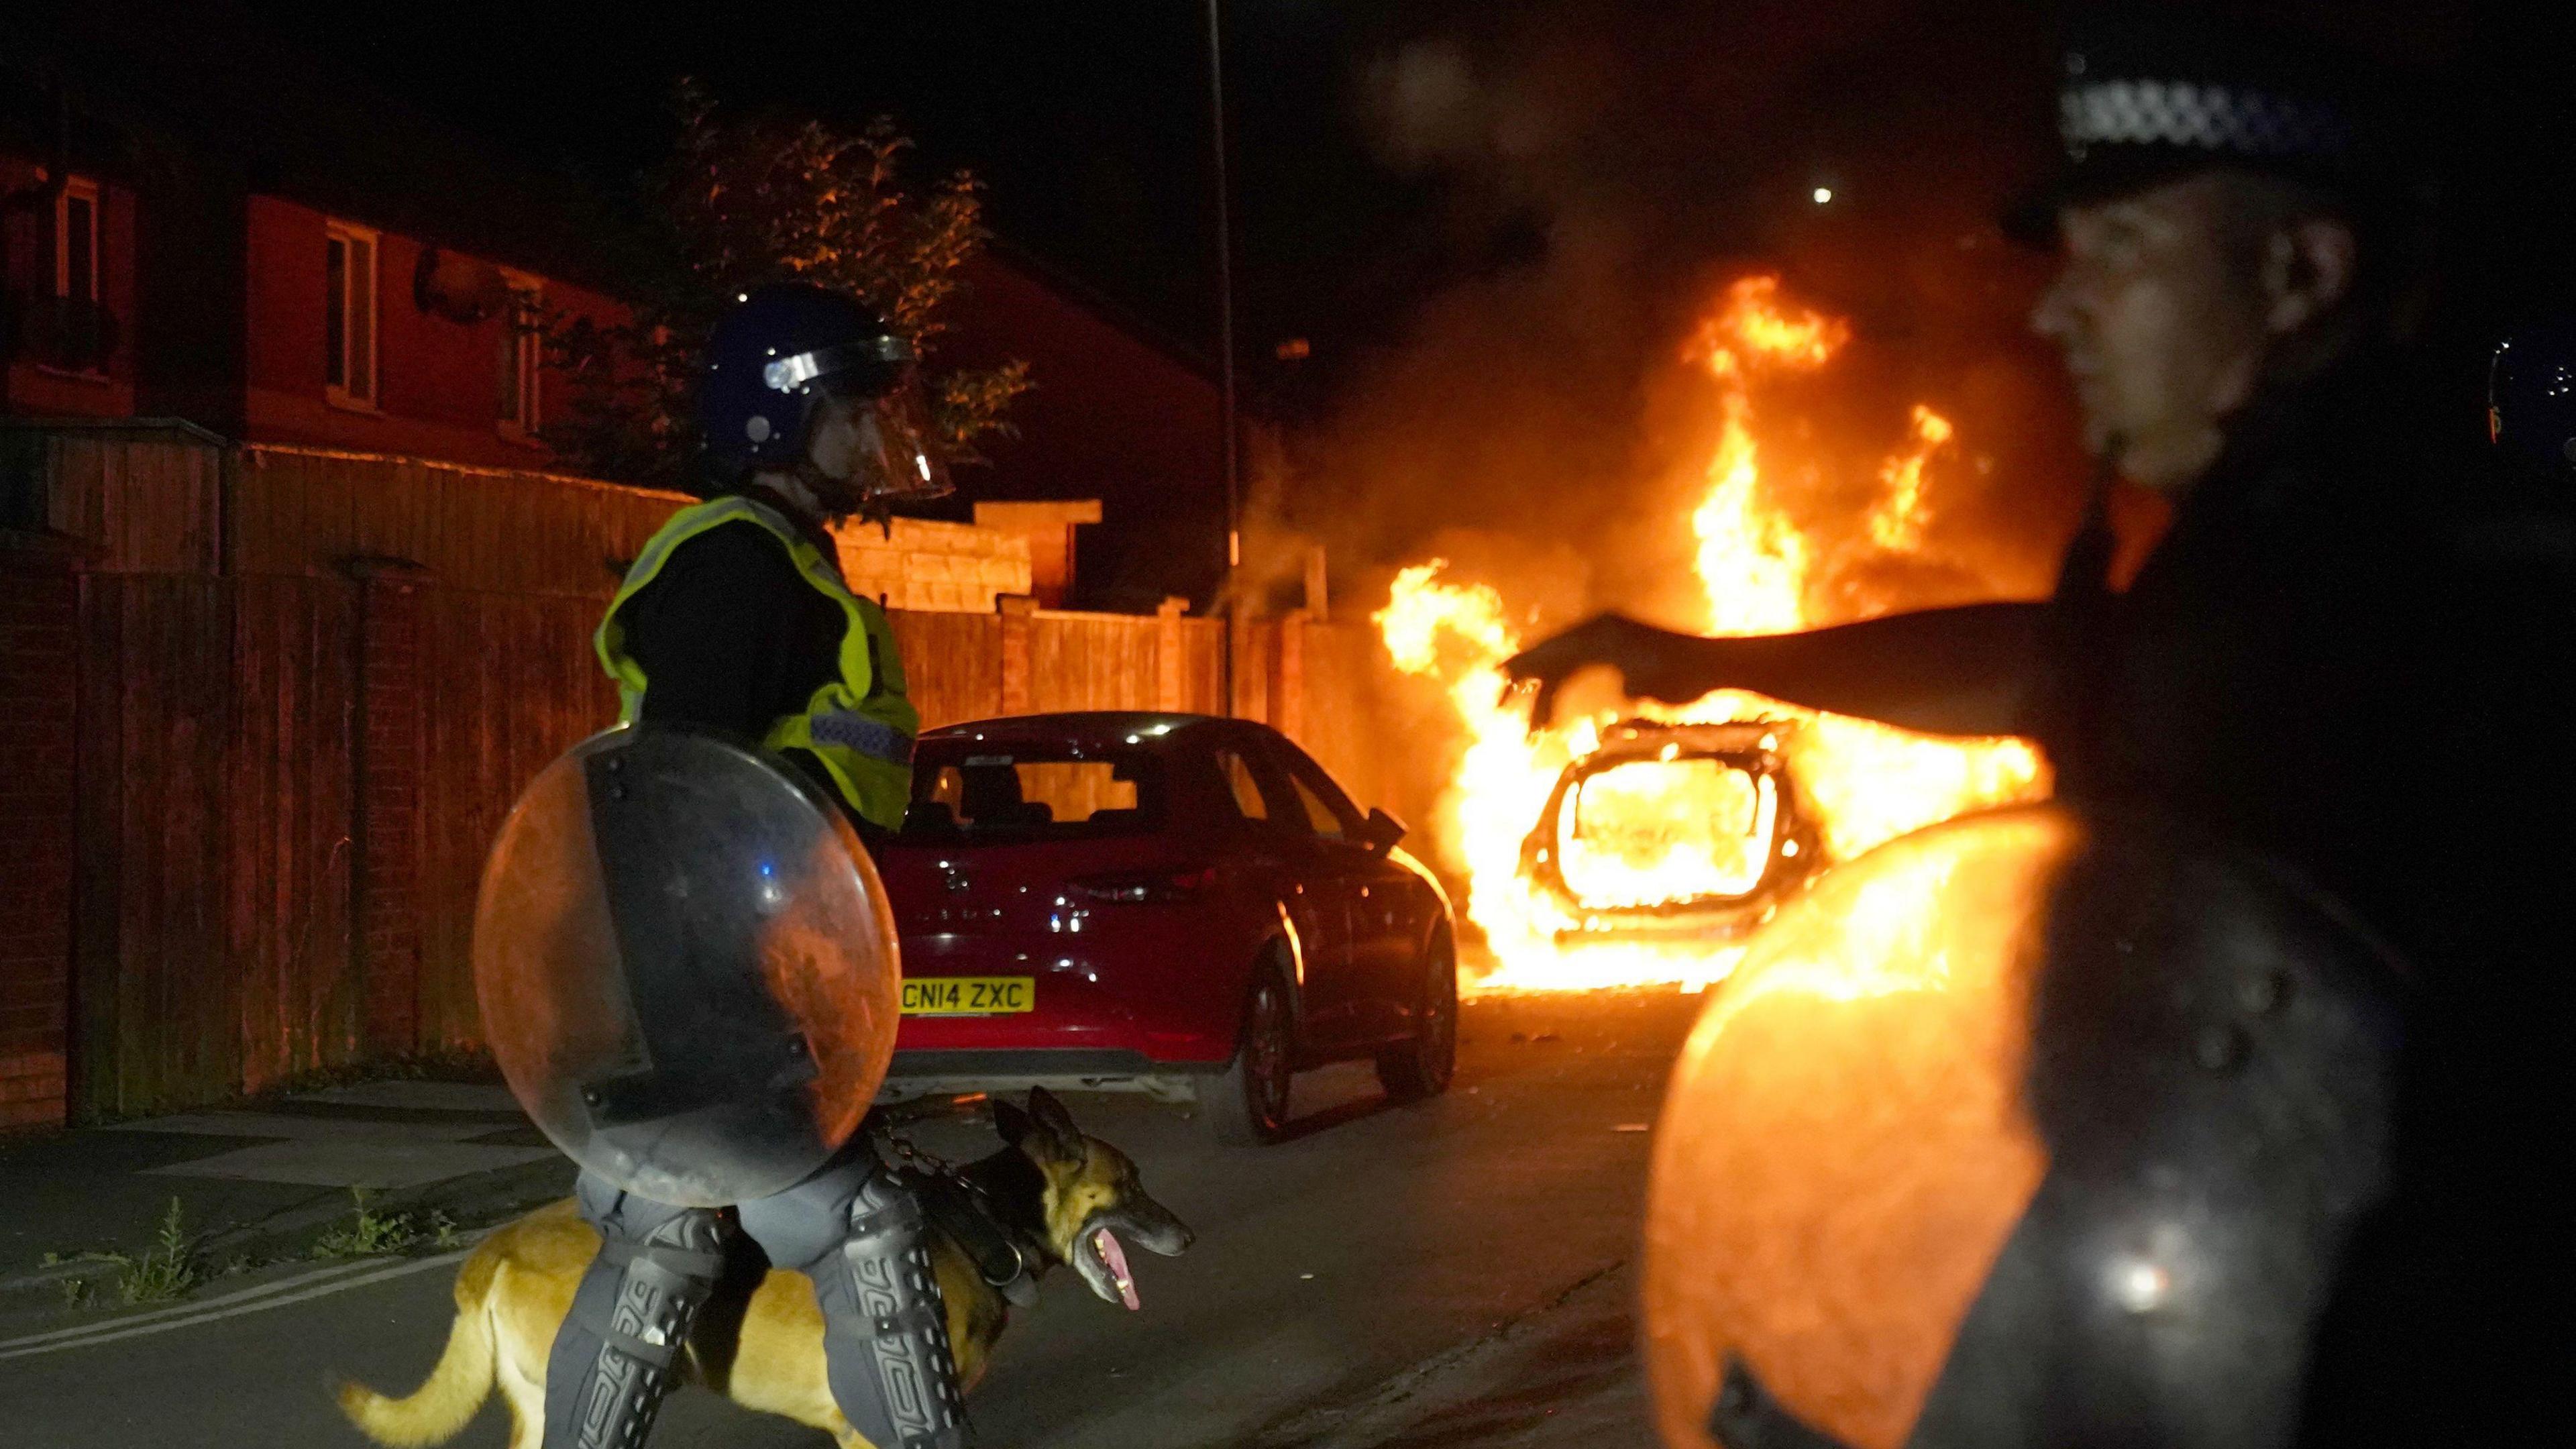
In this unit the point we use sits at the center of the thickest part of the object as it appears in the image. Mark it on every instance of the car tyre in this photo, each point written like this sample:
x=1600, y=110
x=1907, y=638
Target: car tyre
x=1422, y=1065
x=1247, y=1106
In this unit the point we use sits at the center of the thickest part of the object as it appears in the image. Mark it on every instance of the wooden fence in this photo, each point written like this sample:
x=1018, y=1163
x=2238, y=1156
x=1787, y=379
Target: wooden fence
x=308, y=688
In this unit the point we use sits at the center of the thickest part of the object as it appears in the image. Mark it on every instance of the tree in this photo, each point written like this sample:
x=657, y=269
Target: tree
x=743, y=201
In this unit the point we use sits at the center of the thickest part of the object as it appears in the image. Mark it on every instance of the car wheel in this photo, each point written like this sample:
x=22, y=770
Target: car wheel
x=1248, y=1105
x=1421, y=1067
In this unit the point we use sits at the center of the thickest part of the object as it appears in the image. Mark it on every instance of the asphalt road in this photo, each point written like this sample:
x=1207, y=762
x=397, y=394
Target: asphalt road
x=1454, y=1272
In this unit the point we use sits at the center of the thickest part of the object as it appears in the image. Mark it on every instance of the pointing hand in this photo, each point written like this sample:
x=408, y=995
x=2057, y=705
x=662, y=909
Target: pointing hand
x=1652, y=663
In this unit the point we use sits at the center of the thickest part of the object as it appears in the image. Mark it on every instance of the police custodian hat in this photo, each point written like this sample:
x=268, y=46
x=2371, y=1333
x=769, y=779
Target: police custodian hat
x=2149, y=94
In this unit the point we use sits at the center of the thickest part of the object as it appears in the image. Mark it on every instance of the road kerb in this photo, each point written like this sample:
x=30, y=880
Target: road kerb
x=305, y=1288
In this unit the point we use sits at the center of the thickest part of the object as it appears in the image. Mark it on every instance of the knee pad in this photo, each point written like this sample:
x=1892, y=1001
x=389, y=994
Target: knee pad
x=617, y=1353
x=885, y=1328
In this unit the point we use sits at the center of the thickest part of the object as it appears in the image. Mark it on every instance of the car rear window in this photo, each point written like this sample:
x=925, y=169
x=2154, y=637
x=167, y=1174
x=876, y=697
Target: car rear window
x=1036, y=792
x=1645, y=829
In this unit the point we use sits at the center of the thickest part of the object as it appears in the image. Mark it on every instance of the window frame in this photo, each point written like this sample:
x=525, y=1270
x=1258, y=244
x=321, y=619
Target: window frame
x=348, y=236
x=82, y=189
x=1305, y=777
x=86, y=192
x=1151, y=814
x=1250, y=761
x=527, y=355
x=1311, y=800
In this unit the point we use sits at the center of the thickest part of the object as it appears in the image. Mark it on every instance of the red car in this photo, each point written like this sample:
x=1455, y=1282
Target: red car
x=1162, y=902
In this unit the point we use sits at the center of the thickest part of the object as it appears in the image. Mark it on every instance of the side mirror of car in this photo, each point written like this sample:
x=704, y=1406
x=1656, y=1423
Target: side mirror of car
x=1381, y=832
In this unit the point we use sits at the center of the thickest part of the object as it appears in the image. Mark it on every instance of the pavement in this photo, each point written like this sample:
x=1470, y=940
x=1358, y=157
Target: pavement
x=1454, y=1274
x=1562, y=1375
x=262, y=1182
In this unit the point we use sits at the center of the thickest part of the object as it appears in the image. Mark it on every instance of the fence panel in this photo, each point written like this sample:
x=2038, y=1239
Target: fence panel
x=1203, y=666
x=1093, y=661
x=507, y=683
x=307, y=511
x=288, y=513
x=952, y=664
x=146, y=501
x=1337, y=720
x=1256, y=655
x=161, y=1013
x=289, y=854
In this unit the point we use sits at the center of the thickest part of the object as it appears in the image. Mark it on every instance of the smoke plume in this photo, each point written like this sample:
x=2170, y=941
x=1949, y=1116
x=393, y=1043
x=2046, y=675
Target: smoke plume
x=1605, y=170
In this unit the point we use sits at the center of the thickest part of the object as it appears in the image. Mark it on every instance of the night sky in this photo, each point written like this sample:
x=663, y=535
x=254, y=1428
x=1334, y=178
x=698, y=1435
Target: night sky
x=1490, y=220
x=1090, y=122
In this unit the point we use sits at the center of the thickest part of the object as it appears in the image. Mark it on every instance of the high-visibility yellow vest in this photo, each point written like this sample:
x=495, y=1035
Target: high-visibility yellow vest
x=860, y=725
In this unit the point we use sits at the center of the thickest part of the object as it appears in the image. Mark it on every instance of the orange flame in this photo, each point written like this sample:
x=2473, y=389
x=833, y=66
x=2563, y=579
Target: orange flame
x=1752, y=329
x=1753, y=562
x=1896, y=521
x=1757, y=567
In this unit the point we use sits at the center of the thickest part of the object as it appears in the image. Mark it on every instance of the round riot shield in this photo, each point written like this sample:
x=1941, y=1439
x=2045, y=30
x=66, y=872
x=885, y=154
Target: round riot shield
x=686, y=966
x=2030, y=1128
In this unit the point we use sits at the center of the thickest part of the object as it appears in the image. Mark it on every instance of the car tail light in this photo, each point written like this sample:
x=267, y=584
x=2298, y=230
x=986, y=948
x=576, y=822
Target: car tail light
x=1146, y=887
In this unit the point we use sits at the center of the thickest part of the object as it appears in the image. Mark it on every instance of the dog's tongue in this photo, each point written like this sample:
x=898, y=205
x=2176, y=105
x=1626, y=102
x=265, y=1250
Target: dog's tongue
x=1116, y=1257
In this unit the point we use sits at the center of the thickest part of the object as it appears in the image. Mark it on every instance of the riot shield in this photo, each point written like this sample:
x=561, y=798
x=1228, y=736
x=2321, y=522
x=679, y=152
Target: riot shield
x=2034, y=1127
x=686, y=966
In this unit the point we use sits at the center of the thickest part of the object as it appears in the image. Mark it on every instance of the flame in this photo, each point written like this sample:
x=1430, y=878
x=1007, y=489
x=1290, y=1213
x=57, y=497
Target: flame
x=1752, y=328
x=1759, y=571
x=1457, y=632
x=1753, y=562
x=1896, y=521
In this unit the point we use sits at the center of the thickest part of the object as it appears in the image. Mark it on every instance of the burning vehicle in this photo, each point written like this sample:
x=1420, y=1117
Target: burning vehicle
x=1663, y=830
x=1605, y=851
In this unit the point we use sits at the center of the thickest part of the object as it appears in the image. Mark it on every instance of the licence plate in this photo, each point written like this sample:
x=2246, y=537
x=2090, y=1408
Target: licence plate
x=969, y=995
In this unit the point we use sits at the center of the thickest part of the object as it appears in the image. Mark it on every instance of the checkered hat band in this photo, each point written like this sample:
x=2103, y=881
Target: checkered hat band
x=2198, y=117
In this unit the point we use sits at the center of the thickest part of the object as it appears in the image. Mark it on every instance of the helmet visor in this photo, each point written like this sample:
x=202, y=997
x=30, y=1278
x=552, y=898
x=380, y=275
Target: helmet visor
x=893, y=459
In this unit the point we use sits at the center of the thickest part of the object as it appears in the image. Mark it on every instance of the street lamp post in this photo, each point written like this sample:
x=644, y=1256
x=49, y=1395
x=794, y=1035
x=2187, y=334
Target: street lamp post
x=1225, y=344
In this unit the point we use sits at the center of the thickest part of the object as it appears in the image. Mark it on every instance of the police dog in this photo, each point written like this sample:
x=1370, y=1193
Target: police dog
x=1064, y=1199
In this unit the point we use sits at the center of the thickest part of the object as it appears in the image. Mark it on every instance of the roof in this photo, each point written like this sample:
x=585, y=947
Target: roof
x=180, y=429
x=1105, y=725
x=228, y=93
x=1100, y=304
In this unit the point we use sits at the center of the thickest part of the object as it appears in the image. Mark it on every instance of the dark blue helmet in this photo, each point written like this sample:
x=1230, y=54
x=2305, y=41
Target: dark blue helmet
x=780, y=351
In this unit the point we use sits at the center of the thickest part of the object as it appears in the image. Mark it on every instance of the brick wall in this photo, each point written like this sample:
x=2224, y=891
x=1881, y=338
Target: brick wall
x=388, y=791
x=1049, y=527
x=38, y=698
x=936, y=567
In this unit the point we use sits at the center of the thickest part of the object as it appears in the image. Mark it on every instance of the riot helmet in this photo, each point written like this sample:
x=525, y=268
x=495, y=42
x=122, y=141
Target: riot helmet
x=2035, y=1128
x=804, y=380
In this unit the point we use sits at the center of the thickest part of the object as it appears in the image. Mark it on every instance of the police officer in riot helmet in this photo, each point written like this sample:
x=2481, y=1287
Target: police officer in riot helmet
x=735, y=615
x=735, y=620
x=2328, y=663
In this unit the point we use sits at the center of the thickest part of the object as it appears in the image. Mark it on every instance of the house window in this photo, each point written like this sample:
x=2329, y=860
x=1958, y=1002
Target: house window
x=76, y=241
x=76, y=335
x=22, y=480
x=521, y=354
x=349, y=316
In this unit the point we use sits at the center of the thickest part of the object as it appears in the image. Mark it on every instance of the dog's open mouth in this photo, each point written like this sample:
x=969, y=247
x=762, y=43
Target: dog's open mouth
x=1113, y=1258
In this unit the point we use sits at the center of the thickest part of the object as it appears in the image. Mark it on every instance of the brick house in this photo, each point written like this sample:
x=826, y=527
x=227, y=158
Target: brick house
x=269, y=250
x=291, y=600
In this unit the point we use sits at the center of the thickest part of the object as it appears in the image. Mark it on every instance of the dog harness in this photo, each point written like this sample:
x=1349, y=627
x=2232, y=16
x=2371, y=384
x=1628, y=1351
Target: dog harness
x=959, y=1208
